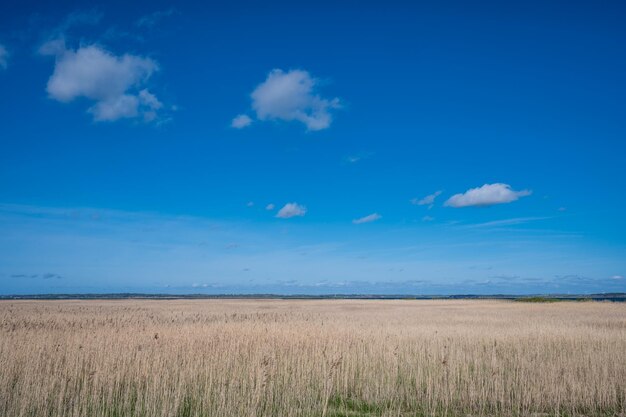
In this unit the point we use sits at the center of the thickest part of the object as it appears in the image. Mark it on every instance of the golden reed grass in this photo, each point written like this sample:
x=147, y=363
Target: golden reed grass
x=311, y=358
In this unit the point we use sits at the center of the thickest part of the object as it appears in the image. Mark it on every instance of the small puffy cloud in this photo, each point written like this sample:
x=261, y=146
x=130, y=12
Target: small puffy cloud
x=562, y=209
x=291, y=96
x=429, y=200
x=270, y=206
x=487, y=195
x=112, y=82
x=4, y=57
x=367, y=219
x=250, y=204
x=241, y=121
x=428, y=219
x=291, y=210
x=617, y=277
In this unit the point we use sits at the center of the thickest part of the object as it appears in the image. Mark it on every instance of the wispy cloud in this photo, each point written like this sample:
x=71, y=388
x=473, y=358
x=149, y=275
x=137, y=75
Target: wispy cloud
x=487, y=195
x=367, y=219
x=506, y=222
x=77, y=18
x=152, y=19
x=292, y=96
x=4, y=57
x=270, y=207
x=353, y=159
x=291, y=210
x=429, y=200
x=241, y=121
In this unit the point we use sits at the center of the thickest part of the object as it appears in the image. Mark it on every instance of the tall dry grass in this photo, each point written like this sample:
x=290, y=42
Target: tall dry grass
x=311, y=358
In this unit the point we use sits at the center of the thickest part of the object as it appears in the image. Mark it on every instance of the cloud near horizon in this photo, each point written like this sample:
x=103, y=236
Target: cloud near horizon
x=291, y=210
x=367, y=219
x=487, y=195
x=113, y=83
x=290, y=96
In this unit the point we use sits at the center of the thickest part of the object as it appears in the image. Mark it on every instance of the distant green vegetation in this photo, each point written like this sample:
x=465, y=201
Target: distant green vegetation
x=538, y=299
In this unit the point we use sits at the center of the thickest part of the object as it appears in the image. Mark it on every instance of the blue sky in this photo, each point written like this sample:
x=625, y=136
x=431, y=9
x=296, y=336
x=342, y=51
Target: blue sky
x=431, y=148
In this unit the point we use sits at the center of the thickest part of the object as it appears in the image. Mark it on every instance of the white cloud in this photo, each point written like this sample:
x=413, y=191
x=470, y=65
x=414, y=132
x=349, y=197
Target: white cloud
x=367, y=219
x=240, y=121
x=250, y=204
x=270, y=206
x=4, y=57
x=291, y=96
x=291, y=210
x=617, y=277
x=428, y=219
x=429, y=200
x=487, y=195
x=111, y=81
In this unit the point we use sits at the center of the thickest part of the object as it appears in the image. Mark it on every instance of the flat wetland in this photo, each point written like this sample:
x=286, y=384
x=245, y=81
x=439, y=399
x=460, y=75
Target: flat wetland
x=229, y=357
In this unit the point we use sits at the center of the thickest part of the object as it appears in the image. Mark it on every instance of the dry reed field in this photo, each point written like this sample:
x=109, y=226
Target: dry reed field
x=311, y=358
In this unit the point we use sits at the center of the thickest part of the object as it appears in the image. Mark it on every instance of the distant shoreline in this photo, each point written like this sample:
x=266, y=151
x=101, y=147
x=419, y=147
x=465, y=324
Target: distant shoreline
x=616, y=297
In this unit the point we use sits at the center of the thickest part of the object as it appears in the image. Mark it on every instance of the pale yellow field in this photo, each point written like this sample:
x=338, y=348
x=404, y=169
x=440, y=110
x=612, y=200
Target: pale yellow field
x=311, y=358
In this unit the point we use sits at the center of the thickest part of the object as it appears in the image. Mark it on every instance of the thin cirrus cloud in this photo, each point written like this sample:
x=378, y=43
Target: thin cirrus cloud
x=505, y=222
x=291, y=96
x=367, y=219
x=4, y=57
x=152, y=19
x=291, y=210
x=353, y=159
x=487, y=195
x=429, y=200
x=114, y=83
